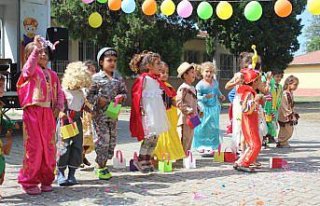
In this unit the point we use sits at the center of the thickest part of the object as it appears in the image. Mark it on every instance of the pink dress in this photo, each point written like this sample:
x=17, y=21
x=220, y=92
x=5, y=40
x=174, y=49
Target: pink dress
x=39, y=93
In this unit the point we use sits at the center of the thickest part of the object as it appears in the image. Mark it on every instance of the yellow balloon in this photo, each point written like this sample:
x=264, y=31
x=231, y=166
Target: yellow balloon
x=224, y=10
x=95, y=20
x=313, y=6
x=167, y=7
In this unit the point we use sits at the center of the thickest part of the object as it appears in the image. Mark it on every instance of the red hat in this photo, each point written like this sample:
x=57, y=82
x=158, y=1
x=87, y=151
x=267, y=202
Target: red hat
x=249, y=75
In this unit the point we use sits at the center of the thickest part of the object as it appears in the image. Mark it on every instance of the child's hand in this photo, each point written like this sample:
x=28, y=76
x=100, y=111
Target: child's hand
x=56, y=112
x=208, y=96
x=102, y=102
x=222, y=98
x=119, y=98
x=16, y=126
x=142, y=111
x=37, y=41
x=63, y=115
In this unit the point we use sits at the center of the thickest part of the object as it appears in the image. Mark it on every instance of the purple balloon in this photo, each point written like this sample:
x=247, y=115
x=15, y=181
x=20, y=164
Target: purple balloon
x=87, y=1
x=184, y=9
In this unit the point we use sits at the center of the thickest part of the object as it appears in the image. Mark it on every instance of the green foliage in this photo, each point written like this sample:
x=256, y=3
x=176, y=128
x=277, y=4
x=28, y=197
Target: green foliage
x=128, y=33
x=313, y=35
x=275, y=37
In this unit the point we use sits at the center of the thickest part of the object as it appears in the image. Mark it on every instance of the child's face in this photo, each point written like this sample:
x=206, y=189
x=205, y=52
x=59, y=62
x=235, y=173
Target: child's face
x=164, y=73
x=277, y=78
x=189, y=76
x=207, y=74
x=1, y=88
x=43, y=58
x=293, y=86
x=257, y=83
x=91, y=70
x=155, y=67
x=108, y=63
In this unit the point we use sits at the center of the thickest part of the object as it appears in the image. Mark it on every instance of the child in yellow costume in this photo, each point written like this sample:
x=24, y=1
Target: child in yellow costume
x=169, y=142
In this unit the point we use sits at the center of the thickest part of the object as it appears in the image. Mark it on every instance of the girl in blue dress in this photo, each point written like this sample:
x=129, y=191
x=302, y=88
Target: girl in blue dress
x=206, y=135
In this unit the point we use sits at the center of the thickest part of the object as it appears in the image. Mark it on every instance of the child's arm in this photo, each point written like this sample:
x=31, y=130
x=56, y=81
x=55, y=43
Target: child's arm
x=8, y=145
x=201, y=96
x=32, y=61
x=250, y=103
x=60, y=98
x=185, y=109
x=123, y=92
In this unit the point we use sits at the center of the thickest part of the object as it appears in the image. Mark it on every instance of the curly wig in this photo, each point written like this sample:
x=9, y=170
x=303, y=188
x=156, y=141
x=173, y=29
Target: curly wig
x=75, y=76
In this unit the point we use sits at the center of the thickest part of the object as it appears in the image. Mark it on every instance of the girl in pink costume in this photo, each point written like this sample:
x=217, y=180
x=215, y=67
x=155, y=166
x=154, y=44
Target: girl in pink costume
x=41, y=99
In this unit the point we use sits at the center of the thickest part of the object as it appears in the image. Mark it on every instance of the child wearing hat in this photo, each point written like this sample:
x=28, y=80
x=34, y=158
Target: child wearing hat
x=187, y=103
x=107, y=86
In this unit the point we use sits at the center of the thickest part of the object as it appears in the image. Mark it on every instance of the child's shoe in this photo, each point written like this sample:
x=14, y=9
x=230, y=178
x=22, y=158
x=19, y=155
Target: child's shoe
x=32, y=190
x=61, y=180
x=71, y=178
x=46, y=188
x=103, y=174
x=141, y=168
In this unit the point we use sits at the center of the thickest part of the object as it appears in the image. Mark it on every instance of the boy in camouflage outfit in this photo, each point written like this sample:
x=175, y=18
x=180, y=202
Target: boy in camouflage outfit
x=107, y=86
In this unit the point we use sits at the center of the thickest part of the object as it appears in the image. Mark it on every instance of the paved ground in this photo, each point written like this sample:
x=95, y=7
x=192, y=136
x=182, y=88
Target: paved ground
x=210, y=184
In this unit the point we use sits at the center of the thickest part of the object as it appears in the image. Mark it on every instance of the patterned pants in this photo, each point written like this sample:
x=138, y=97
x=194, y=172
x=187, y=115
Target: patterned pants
x=146, y=150
x=106, y=138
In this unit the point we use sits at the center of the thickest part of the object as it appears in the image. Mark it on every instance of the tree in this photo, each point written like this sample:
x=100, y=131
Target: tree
x=313, y=35
x=128, y=33
x=275, y=37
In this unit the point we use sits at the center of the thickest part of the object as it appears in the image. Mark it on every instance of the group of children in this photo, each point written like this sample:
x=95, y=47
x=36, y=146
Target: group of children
x=168, y=122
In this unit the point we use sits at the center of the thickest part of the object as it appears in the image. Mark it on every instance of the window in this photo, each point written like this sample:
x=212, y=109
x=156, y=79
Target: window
x=87, y=51
x=192, y=56
x=226, y=66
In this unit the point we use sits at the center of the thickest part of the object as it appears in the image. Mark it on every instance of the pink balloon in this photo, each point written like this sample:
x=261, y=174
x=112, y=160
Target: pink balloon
x=87, y=1
x=184, y=9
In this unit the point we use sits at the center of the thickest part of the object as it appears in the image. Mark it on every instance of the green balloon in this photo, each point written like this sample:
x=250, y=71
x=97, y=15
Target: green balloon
x=102, y=1
x=204, y=10
x=253, y=11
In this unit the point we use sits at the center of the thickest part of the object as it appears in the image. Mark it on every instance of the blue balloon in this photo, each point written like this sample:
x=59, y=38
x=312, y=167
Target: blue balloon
x=128, y=6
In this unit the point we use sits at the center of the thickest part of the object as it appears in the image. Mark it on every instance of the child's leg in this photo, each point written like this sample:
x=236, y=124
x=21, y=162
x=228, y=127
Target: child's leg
x=36, y=135
x=285, y=134
x=187, y=136
x=147, y=147
x=102, y=144
x=113, y=130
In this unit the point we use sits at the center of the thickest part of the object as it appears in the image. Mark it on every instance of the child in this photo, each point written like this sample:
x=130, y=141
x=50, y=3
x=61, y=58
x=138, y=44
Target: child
x=148, y=117
x=272, y=105
x=107, y=87
x=287, y=116
x=41, y=98
x=207, y=134
x=169, y=141
x=187, y=104
x=249, y=121
x=8, y=126
x=75, y=78
x=88, y=144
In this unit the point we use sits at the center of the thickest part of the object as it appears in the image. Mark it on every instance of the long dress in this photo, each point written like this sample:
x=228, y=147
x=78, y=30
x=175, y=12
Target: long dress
x=169, y=142
x=207, y=134
x=236, y=120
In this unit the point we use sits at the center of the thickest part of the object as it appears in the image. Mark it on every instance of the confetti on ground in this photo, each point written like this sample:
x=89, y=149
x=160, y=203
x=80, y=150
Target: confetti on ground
x=198, y=196
x=259, y=203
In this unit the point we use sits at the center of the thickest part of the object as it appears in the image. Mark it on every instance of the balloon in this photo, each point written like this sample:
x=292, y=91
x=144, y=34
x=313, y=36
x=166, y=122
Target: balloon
x=95, y=20
x=149, y=7
x=313, y=6
x=167, y=7
x=283, y=8
x=87, y=1
x=224, y=10
x=204, y=10
x=102, y=1
x=128, y=6
x=184, y=9
x=114, y=5
x=253, y=11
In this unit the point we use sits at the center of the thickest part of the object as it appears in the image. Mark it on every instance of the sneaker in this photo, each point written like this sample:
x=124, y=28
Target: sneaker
x=46, y=188
x=86, y=161
x=32, y=190
x=271, y=140
x=104, y=174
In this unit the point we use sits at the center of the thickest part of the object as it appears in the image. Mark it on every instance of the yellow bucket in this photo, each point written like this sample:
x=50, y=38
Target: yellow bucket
x=69, y=130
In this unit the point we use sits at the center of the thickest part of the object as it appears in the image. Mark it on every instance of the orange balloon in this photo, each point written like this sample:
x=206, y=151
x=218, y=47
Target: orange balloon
x=283, y=8
x=114, y=5
x=149, y=7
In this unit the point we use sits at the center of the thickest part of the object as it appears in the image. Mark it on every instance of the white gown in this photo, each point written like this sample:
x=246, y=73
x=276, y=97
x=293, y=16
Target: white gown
x=236, y=119
x=155, y=119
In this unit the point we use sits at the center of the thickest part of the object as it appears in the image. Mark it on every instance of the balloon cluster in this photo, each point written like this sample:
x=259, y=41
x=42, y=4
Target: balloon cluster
x=252, y=12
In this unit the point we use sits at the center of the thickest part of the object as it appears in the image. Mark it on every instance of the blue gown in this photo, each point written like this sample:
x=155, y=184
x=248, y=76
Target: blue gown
x=206, y=135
